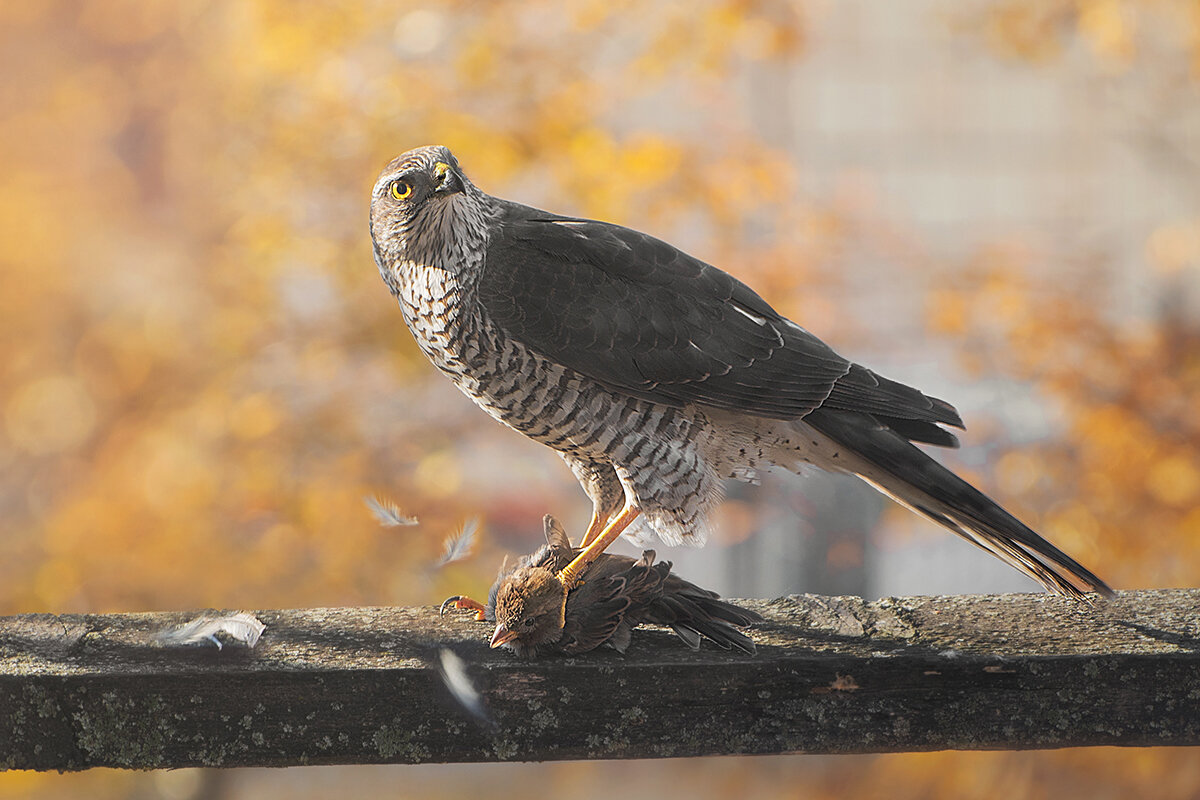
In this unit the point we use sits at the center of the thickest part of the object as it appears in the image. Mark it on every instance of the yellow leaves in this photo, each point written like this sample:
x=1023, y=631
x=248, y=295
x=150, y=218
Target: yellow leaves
x=1119, y=33
x=1188, y=21
x=177, y=471
x=1109, y=435
x=1175, y=480
x=708, y=37
x=254, y=417
x=723, y=23
x=1074, y=527
x=1004, y=294
x=476, y=60
x=1189, y=526
x=593, y=150
x=589, y=15
x=742, y=181
x=762, y=39
x=115, y=359
x=29, y=228
x=262, y=235
x=1126, y=459
x=1025, y=30
x=232, y=330
x=124, y=22
x=613, y=176
x=438, y=474
x=947, y=311
x=171, y=175
x=94, y=98
x=1174, y=247
x=650, y=159
x=1109, y=27
x=289, y=46
x=1016, y=473
x=420, y=31
x=49, y=414
x=15, y=15
x=56, y=581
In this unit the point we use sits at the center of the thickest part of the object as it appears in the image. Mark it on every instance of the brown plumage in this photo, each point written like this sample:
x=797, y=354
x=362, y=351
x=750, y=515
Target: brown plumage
x=615, y=595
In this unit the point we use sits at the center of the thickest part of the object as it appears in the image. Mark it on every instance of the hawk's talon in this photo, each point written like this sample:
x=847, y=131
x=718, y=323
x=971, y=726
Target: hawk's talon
x=464, y=602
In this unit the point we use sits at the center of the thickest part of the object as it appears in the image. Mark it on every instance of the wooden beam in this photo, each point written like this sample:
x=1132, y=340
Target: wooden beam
x=832, y=675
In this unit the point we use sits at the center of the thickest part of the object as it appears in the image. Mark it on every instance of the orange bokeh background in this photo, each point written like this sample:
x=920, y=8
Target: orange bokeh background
x=202, y=376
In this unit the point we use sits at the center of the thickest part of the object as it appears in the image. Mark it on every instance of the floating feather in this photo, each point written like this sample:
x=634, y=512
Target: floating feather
x=388, y=513
x=458, y=545
x=454, y=674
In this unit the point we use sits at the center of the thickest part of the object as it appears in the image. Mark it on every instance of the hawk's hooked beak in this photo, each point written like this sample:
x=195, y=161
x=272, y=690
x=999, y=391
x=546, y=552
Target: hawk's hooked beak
x=445, y=179
x=502, y=635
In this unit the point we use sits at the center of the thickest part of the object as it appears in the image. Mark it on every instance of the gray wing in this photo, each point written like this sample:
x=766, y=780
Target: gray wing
x=636, y=314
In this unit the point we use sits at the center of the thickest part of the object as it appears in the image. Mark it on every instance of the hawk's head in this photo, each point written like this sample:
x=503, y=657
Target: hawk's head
x=424, y=211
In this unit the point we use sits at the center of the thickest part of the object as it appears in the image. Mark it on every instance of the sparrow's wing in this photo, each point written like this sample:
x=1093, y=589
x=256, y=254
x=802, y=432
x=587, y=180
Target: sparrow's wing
x=596, y=607
x=558, y=551
x=693, y=612
x=644, y=581
x=593, y=621
x=614, y=593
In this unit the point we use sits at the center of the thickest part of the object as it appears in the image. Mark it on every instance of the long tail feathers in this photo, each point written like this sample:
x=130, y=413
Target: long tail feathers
x=899, y=469
x=693, y=613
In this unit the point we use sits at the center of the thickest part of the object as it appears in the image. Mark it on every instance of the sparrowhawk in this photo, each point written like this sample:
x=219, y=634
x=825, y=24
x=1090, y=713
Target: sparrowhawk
x=653, y=374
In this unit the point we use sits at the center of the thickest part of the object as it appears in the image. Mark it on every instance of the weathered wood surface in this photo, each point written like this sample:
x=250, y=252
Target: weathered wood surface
x=832, y=675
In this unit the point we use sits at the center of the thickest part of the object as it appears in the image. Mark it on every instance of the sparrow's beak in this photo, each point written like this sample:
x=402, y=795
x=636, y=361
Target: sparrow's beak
x=502, y=635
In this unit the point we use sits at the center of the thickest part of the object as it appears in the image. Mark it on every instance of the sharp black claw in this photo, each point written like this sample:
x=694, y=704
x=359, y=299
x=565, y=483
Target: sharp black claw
x=448, y=601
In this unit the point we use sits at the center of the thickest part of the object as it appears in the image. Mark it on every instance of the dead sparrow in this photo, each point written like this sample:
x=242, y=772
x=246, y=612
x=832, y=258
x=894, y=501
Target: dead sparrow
x=612, y=596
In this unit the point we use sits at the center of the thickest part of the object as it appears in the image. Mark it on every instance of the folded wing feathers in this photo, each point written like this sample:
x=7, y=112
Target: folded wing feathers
x=633, y=312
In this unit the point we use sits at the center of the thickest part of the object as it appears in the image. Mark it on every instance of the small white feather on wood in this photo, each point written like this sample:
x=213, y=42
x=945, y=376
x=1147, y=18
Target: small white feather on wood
x=241, y=629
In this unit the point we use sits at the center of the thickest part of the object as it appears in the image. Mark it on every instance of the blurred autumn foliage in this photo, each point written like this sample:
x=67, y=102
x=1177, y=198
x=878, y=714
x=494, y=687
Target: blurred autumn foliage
x=201, y=375
x=1126, y=462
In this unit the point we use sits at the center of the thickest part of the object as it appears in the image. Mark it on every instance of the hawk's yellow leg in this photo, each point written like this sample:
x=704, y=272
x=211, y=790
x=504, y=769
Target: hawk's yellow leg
x=595, y=527
x=571, y=572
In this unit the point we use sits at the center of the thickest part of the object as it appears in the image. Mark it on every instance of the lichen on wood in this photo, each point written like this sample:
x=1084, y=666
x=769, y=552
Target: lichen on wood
x=832, y=675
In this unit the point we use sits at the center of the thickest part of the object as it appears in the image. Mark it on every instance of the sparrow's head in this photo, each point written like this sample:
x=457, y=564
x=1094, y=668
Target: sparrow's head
x=529, y=610
x=424, y=211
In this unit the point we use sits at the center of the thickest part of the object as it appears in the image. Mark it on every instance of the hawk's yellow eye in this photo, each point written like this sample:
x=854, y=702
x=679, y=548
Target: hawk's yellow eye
x=401, y=190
